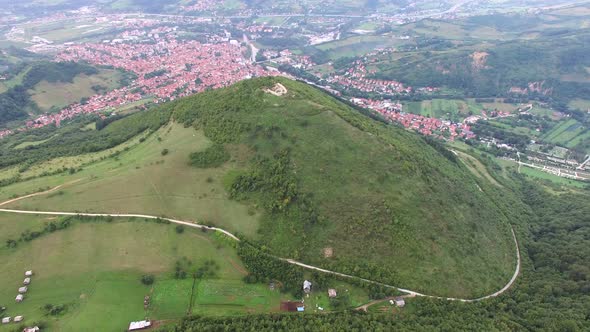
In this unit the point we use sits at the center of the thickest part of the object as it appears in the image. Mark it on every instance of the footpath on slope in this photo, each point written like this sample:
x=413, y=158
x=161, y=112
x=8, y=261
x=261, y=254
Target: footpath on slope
x=288, y=260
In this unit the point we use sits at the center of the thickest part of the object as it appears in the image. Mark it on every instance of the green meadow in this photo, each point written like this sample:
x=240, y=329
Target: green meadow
x=94, y=268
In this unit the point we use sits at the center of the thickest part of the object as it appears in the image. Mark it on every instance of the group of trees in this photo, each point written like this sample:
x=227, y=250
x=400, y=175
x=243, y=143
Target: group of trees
x=551, y=294
x=213, y=156
x=71, y=141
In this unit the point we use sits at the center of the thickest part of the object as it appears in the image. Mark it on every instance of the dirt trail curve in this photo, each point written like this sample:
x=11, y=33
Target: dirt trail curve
x=288, y=260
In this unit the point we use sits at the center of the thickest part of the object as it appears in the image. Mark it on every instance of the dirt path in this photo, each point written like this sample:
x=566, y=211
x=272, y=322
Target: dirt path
x=40, y=193
x=365, y=307
x=409, y=293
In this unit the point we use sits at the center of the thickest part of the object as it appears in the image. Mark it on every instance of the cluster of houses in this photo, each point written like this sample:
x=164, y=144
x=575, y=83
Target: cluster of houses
x=393, y=111
x=19, y=298
x=356, y=78
x=166, y=69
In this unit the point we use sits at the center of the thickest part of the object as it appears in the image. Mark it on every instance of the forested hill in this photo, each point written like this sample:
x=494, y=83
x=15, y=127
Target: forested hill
x=16, y=103
x=552, y=293
x=555, y=64
x=325, y=176
x=322, y=183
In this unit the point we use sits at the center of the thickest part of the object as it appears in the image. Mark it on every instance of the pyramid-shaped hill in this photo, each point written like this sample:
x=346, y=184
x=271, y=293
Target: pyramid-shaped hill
x=293, y=169
x=341, y=190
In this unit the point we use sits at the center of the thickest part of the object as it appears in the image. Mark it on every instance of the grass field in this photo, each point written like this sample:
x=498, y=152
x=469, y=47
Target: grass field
x=54, y=96
x=95, y=268
x=567, y=133
x=540, y=175
x=357, y=45
x=448, y=109
x=57, y=164
x=581, y=104
x=143, y=181
x=477, y=168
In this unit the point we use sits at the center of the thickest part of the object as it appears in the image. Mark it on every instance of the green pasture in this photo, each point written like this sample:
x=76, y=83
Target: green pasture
x=448, y=109
x=94, y=268
x=56, y=95
x=142, y=180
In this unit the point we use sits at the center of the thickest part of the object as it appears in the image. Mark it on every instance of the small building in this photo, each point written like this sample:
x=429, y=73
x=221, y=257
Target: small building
x=20, y=298
x=5, y=320
x=27, y=281
x=399, y=301
x=307, y=287
x=18, y=319
x=23, y=289
x=29, y=273
x=32, y=329
x=135, y=326
x=301, y=309
x=332, y=292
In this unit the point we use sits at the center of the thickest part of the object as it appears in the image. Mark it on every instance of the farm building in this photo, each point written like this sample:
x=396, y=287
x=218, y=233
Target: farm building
x=291, y=306
x=135, y=326
x=29, y=273
x=18, y=319
x=399, y=301
x=23, y=289
x=332, y=292
x=306, y=286
x=32, y=329
x=19, y=298
x=5, y=320
x=27, y=281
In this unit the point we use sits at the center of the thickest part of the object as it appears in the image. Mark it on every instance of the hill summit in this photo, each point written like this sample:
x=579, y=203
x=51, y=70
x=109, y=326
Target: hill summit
x=341, y=190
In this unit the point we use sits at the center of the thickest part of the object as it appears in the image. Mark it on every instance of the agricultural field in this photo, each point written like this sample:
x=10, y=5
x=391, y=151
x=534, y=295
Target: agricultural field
x=56, y=95
x=448, y=109
x=95, y=268
x=270, y=20
x=357, y=45
x=581, y=104
x=539, y=175
x=65, y=30
x=568, y=133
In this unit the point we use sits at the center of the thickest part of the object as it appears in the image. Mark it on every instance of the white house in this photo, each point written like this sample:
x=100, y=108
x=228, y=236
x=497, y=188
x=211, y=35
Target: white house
x=144, y=324
x=5, y=320
x=18, y=319
x=27, y=281
x=23, y=289
x=399, y=301
x=19, y=298
x=28, y=273
x=306, y=286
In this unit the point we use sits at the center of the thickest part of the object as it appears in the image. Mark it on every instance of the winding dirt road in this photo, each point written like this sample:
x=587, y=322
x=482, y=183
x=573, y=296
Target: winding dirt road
x=411, y=293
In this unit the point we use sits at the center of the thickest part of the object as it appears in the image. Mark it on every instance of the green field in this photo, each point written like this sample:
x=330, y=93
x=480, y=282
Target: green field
x=448, y=109
x=540, y=175
x=567, y=133
x=56, y=95
x=356, y=46
x=95, y=267
x=143, y=181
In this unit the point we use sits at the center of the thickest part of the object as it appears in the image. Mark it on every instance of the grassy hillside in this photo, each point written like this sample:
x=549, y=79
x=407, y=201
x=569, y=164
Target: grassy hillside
x=308, y=178
x=95, y=268
x=56, y=95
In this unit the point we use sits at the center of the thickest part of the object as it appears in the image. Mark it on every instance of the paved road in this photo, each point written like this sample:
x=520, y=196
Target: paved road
x=411, y=293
